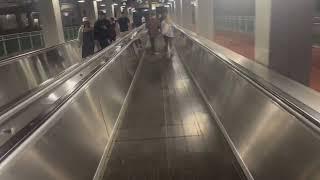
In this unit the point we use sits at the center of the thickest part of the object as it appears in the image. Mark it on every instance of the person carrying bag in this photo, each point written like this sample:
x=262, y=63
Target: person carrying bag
x=86, y=38
x=168, y=35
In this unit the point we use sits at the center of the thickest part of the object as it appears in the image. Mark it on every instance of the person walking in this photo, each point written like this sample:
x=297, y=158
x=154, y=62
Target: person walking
x=101, y=33
x=168, y=34
x=113, y=32
x=153, y=30
x=124, y=22
x=86, y=38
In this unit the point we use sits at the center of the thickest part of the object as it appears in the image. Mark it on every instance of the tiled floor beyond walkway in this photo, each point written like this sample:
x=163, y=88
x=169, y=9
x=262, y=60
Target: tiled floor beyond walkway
x=244, y=44
x=167, y=133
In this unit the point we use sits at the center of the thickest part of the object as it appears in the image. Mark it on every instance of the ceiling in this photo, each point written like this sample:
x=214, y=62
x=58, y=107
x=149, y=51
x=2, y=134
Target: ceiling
x=13, y=3
x=13, y=6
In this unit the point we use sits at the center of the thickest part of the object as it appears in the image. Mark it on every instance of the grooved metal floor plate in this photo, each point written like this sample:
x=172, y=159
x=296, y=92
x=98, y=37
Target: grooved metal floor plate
x=167, y=132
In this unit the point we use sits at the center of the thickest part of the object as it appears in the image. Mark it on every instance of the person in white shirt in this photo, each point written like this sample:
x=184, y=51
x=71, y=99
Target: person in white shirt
x=168, y=34
x=143, y=20
x=86, y=38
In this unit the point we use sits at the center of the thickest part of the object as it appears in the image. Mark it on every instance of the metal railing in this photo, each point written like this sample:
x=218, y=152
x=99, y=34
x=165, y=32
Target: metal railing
x=244, y=24
x=13, y=44
x=71, y=33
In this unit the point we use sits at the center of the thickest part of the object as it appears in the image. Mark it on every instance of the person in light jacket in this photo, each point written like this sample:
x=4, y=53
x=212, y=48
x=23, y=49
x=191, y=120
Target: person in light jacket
x=168, y=34
x=86, y=38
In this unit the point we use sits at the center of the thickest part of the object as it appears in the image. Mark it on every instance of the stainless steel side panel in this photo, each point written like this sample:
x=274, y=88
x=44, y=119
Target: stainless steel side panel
x=273, y=144
x=71, y=149
x=21, y=76
x=33, y=107
x=69, y=146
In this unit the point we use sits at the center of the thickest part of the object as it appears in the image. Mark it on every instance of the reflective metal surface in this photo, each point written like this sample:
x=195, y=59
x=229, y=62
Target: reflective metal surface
x=26, y=75
x=20, y=77
x=300, y=97
x=272, y=142
x=21, y=117
x=167, y=132
x=63, y=134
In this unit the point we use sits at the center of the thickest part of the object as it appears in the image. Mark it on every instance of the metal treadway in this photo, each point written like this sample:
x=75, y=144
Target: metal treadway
x=167, y=132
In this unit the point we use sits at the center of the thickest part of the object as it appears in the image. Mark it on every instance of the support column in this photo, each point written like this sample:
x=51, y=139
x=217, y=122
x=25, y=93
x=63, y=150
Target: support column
x=205, y=18
x=173, y=10
x=150, y=7
x=1, y=29
x=109, y=8
x=89, y=9
x=19, y=21
x=95, y=10
x=116, y=10
x=179, y=12
x=283, y=38
x=30, y=20
x=187, y=14
x=51, y=23
x=195, y=13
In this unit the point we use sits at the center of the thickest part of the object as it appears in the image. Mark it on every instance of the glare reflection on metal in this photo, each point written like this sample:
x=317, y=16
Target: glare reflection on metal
x=134, y=34
x=270, y=140
x=52, y=97
x=28, y=72
x=70, y=84
x=181, y=85
x=80, y=130
x=118, y=48
x=42, y=162
x=260, y=130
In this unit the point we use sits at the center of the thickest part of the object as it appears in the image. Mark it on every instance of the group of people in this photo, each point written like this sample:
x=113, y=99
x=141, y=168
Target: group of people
x=104, y=32
x=164, y=26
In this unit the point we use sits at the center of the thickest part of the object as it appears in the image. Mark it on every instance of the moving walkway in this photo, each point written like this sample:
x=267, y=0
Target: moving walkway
x=127, y=114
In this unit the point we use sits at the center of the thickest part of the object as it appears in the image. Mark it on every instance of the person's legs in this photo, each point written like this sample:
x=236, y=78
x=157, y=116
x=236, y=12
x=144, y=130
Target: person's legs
x=140, y=43
x=104, y=43
x=85, y=51
x=165, y=43
x=107, y=41
x=152, y=42
x=170, y=46
x=91, y=50
x=101, y=44
x=166, y=40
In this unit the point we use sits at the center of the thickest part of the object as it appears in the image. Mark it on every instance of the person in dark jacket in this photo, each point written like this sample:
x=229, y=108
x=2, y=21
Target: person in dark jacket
x=101, y=33
x=113, y=33
x=124, y=22
x=86, y=38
